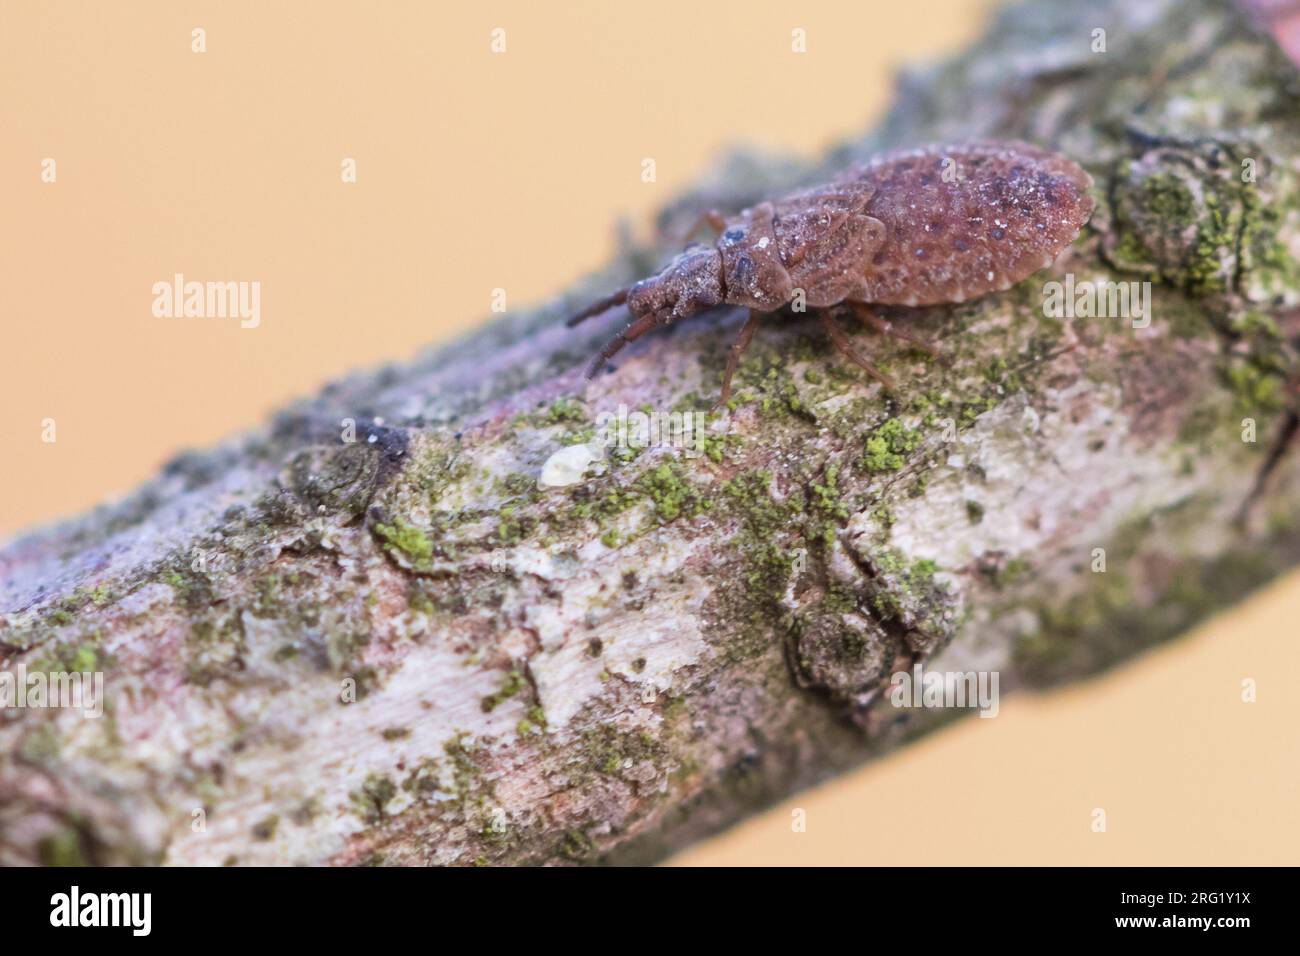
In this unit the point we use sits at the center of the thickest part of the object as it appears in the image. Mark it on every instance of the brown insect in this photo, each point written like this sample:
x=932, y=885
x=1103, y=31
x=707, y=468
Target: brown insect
x=922, y=227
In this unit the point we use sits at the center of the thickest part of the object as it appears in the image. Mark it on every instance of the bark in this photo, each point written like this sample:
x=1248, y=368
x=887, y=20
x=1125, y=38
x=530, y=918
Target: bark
x=400, y=649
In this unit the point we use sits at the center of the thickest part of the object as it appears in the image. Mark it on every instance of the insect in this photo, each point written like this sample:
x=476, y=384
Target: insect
x=921, y=227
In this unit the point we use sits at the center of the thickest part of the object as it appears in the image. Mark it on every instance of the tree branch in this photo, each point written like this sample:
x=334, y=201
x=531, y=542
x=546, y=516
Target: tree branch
x=401, y=649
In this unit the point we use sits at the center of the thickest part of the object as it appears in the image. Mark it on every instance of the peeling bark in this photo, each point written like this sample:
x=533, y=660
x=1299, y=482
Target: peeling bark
x=401, y=650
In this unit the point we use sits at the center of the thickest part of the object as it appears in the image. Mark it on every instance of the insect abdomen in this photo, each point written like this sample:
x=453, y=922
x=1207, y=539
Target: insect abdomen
x=963, y=221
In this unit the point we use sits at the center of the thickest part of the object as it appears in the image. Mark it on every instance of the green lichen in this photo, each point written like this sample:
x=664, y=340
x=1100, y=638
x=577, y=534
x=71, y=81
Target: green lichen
x=1178, y=220
x=1255, y=389
x=193, y=588
x=564, y=411
x=512, y=685
x=715, y=447
x=887, y=447
x=763, y=524
x=373, y=796
x=601, y=504
x=1125, y=609
x=1264, y=256
x=63, y=847
x=1011, y=572
x=612, y=751
x=765, y=379
x=672, y=494
x=516, y=484
x=1206, y=270
x=41, y=744
x=904, y=584
x=306, y=812
x=83, y=658
x=404, y=539
x=420, y=598
x=576, y=846
x=1005, y=376
x=467, y=782
x=513, y=526
x=826, y=508
x=1186, y=217
x=265, y=829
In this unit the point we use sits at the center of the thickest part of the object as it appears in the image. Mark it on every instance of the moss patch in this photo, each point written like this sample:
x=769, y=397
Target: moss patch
x=887, y=447
x=405, y=540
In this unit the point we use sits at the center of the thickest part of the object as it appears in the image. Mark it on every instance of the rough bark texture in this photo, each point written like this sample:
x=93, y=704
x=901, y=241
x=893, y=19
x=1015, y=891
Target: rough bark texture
x=608, y=670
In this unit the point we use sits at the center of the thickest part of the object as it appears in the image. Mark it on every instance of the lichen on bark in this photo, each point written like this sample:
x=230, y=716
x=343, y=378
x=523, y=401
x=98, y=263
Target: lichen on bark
x=400, y=649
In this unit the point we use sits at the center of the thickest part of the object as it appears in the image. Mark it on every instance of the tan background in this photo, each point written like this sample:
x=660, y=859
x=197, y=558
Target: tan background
x=478, y=171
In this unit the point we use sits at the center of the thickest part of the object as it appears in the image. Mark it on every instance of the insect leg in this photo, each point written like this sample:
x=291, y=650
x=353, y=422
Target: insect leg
x=711, y=218
x=887, y=328
x=634, y=331
x=737, y=350
x=841, y=342
x=599, y=306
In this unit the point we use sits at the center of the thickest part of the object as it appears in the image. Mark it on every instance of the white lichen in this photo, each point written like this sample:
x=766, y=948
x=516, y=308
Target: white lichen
x=569, y=465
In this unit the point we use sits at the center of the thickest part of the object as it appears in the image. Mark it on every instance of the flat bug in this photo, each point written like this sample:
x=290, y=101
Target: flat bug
x=920, y=227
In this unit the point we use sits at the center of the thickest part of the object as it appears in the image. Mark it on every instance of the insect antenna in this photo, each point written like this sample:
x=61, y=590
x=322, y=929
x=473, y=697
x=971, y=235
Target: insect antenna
x=599, y=306
x=634, y=331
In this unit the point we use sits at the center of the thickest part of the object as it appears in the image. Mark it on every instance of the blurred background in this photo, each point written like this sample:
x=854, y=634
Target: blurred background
x=475, y=171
